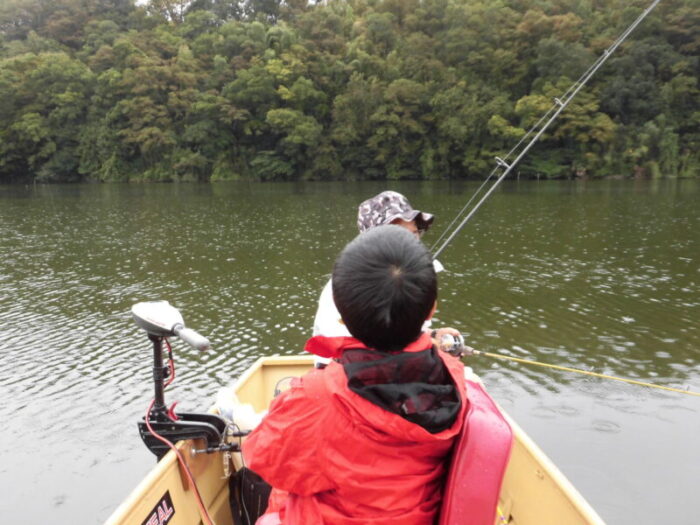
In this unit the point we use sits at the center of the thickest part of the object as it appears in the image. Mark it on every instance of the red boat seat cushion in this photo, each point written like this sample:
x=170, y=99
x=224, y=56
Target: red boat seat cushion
x=478, y=463
x=272, y=518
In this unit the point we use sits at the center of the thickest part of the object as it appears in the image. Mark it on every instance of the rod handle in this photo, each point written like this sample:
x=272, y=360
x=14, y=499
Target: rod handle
x=191, y=337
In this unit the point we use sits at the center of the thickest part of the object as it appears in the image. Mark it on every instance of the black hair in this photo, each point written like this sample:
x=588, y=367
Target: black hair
x=384, y=286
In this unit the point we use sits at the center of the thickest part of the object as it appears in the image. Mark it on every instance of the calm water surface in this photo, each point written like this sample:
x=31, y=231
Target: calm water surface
x=601, y=276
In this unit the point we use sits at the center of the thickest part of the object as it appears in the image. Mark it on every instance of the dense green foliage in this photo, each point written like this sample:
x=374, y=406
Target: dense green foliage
x=345, y=89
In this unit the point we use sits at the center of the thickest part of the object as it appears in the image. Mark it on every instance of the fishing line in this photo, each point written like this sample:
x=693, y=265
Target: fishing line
x=461, y=212
x=493, y=172
x=560, y=103
x=550, y=116
x=585, y=372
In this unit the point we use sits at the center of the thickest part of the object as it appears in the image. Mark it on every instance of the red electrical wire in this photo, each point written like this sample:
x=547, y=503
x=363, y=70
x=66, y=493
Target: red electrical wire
x=202, y=509
x=171, y=366
x=198, y=498
x=171, y=363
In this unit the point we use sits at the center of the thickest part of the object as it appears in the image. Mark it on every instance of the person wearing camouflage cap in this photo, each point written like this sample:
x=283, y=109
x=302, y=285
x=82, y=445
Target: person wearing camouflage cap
x=388, y=207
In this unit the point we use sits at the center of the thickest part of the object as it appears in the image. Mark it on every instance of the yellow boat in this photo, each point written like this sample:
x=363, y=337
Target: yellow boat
x=534, y=491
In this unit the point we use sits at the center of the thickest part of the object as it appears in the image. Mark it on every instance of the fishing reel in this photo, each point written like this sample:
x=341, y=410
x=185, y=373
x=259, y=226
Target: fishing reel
x=160, y=320
x=455, y=346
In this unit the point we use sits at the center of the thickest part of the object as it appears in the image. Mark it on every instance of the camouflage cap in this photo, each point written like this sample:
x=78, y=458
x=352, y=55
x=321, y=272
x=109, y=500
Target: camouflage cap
x=387, y=207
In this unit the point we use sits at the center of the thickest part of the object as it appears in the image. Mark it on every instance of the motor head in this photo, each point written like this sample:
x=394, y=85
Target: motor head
x=157, y=317
x=160, y=319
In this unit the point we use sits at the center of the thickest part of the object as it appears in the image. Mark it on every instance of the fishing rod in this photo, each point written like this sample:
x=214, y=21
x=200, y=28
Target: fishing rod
x=559, y=104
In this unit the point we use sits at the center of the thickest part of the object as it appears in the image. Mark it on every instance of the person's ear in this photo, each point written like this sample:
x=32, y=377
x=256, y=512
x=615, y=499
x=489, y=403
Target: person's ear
x=432, y=311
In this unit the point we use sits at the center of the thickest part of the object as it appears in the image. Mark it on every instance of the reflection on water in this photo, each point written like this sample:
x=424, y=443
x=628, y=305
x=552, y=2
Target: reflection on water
x=595, y=275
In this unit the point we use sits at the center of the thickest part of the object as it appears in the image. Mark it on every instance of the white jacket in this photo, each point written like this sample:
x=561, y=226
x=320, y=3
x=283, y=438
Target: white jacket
x=328, y=321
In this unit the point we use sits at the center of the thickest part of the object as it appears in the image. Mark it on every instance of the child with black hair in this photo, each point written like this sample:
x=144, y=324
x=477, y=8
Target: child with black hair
x=387, y=207
x=365, y=440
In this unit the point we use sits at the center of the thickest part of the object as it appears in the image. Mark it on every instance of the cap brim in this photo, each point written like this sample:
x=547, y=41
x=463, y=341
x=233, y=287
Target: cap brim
x=423, y=220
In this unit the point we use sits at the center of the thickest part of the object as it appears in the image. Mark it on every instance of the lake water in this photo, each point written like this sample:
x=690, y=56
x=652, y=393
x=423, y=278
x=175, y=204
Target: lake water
x=596, y=275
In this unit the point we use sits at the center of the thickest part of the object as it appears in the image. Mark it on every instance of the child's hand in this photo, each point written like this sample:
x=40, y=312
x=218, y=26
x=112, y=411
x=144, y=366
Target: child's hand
x=448, y=340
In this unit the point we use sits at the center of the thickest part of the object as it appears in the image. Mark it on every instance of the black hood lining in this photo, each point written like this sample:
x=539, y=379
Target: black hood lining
x=414, y=385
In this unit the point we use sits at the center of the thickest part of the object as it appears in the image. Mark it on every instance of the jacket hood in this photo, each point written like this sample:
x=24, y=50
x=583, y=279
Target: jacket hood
x=333, y=347
x=415, y=392
x=414, y=385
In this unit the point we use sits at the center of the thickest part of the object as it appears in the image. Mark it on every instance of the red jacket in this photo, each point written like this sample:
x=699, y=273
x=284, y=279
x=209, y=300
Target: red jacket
x=334, y=456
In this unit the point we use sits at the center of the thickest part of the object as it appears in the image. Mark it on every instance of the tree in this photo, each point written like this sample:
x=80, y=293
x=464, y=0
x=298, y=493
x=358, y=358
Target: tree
x=360, y=89
x=49, y=104
x=399, y=129
x=171, y=10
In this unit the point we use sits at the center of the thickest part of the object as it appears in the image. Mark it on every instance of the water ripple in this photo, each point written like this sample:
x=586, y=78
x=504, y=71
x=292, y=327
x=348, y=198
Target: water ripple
x=586, y=278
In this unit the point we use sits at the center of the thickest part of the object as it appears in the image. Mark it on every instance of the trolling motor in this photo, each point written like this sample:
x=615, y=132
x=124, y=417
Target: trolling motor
x=160, y=320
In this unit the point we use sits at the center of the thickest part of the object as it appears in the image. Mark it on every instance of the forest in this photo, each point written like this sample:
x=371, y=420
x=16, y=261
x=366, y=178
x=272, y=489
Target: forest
x=210, y=90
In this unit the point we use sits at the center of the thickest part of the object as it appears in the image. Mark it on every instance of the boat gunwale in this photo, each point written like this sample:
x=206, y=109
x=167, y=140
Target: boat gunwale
x=549, y=469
